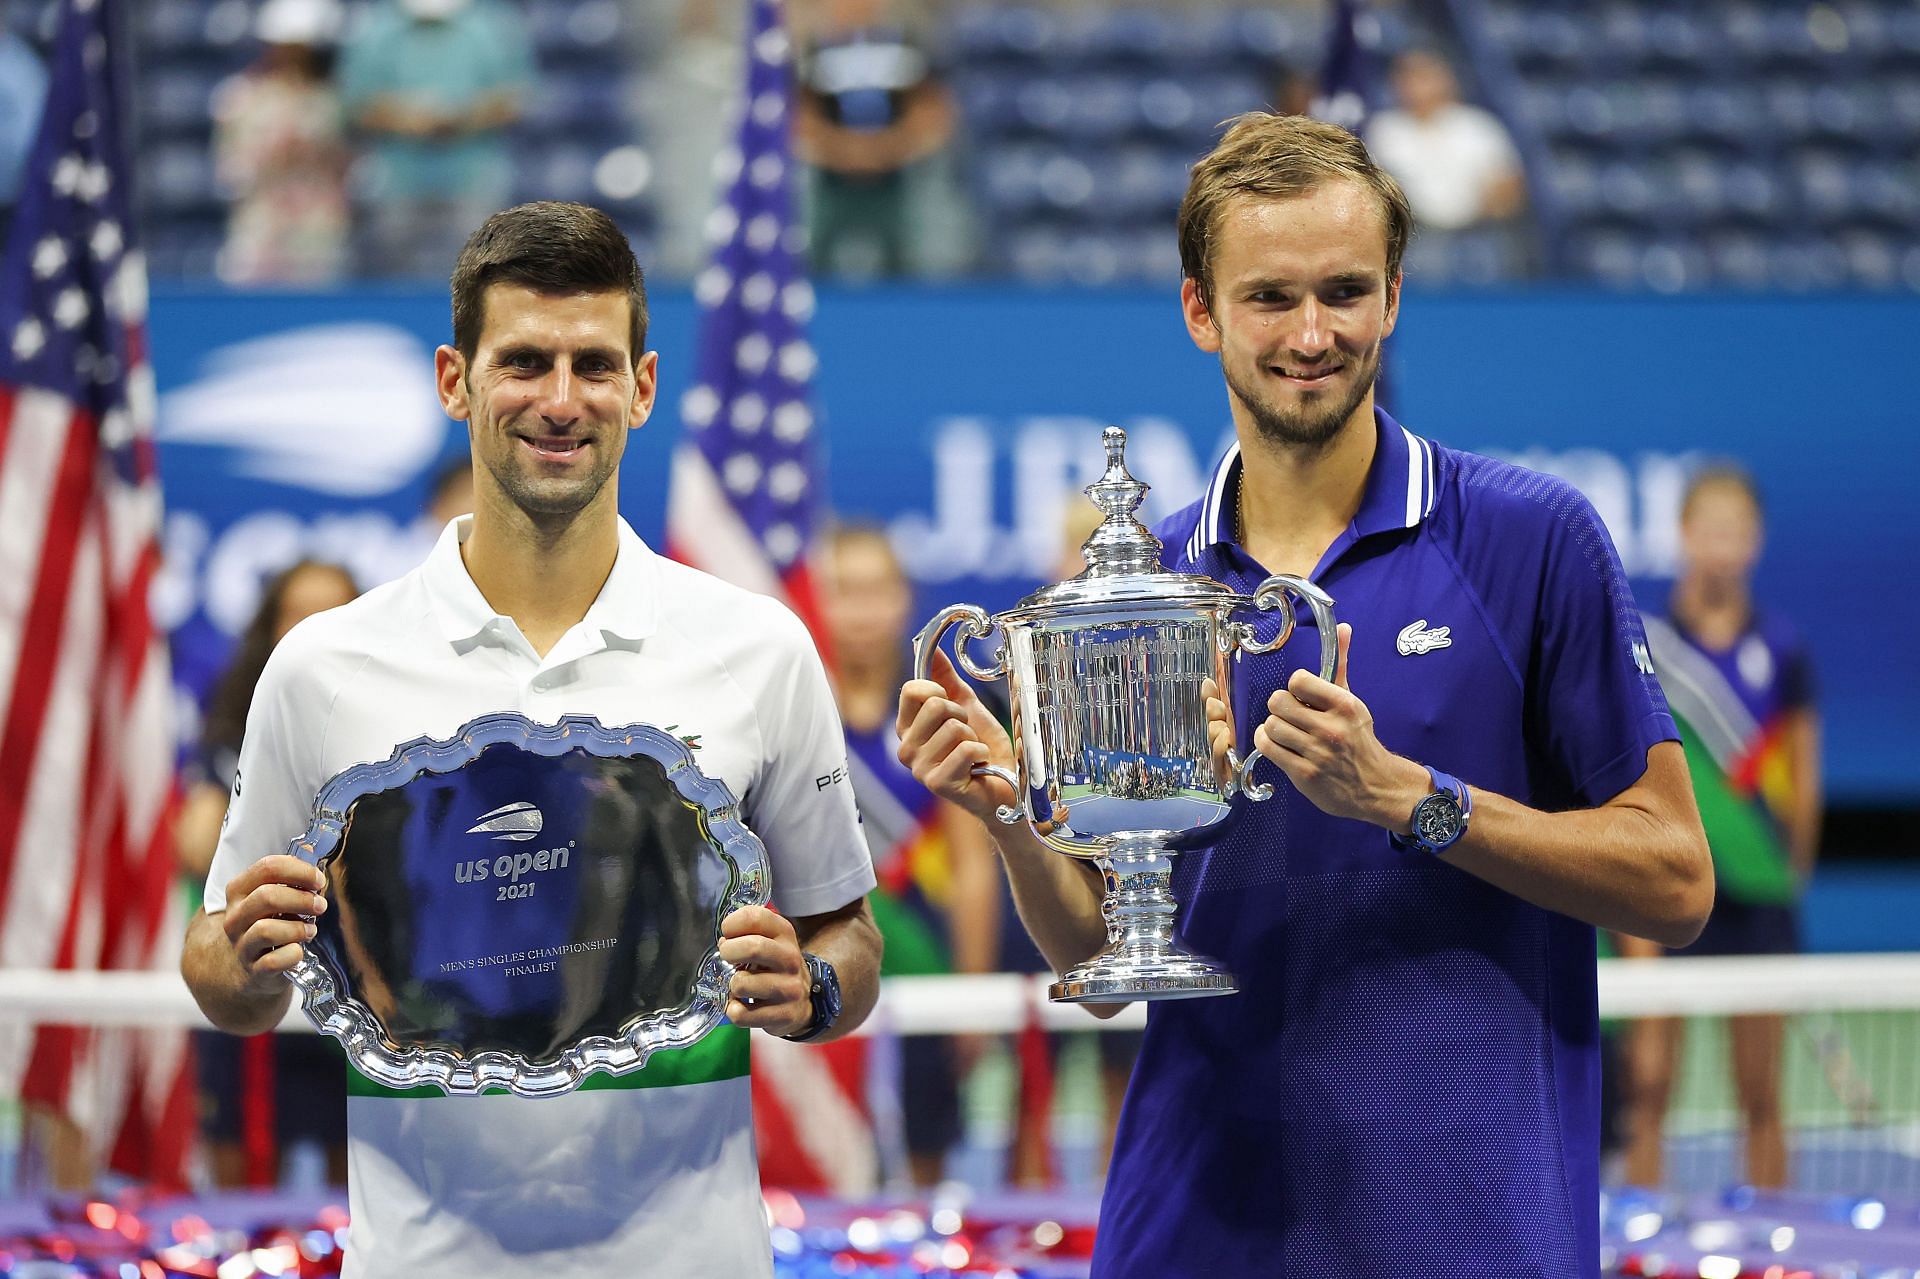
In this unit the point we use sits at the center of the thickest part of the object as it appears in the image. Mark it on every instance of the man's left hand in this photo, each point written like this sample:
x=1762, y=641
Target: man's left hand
x=771, y=987
x=1321, y=736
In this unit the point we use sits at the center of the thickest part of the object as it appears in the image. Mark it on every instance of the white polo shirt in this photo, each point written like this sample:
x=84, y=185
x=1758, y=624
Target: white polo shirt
x=651, y=1173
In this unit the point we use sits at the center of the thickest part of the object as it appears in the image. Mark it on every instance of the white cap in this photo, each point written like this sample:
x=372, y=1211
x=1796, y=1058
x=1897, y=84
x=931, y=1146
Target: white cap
x=298, y=22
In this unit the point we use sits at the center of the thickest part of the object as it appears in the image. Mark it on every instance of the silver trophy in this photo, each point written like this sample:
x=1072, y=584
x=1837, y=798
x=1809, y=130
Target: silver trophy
x=523, y=905
x=1112, y=757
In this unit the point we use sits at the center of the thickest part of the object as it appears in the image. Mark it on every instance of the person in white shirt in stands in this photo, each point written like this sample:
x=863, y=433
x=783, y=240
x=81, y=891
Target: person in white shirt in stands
x=545, y=602
x=1456, y=162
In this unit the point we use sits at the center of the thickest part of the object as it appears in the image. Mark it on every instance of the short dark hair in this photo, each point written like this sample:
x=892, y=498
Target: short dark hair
x=550, y=247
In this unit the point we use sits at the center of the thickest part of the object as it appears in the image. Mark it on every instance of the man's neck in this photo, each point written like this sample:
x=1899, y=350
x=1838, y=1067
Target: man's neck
x=1295, y=500
x=545, y=575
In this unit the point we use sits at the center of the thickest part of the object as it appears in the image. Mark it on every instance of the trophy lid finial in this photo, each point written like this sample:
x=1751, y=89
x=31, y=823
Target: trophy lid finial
x=1122, y=544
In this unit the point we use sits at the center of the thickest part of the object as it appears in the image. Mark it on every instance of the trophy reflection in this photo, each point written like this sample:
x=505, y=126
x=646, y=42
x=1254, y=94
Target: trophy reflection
x=1113, y=758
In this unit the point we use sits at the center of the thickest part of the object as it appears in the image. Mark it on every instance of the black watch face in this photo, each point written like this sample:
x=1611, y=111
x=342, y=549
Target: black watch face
x=1436, y=820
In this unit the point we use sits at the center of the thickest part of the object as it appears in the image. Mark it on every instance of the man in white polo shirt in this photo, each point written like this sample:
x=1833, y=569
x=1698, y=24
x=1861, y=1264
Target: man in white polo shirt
x=544, y=602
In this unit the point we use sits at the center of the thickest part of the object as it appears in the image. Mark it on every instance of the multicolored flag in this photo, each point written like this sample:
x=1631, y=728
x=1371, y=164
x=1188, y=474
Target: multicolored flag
x=744, y=505
x=745, y=495
x=86, y=748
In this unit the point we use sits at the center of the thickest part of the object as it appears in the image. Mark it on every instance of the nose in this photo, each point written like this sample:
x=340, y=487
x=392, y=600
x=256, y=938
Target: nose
x=557, y=403
x=1310, y=335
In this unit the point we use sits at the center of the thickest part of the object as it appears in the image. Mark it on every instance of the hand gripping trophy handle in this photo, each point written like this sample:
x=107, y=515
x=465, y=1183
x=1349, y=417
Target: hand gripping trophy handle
x=974, y=624
x=1271, y=595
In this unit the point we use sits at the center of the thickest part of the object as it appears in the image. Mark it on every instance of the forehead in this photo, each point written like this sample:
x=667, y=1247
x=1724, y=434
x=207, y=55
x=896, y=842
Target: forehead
x=514, y=313
x=1337, y=227
x=1721, y=500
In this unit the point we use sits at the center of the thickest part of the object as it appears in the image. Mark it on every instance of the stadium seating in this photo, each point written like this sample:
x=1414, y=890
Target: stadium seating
x=1734, y=143
x=185, y=48
x=1746, y=144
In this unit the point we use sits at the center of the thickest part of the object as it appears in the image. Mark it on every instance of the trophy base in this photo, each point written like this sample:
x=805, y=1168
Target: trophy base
x=1106, y=979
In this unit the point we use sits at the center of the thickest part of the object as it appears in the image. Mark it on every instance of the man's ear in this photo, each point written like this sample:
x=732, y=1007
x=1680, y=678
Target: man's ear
x=1199, y=317
x=646, y=385
x=1392, y=316
x=450, y=380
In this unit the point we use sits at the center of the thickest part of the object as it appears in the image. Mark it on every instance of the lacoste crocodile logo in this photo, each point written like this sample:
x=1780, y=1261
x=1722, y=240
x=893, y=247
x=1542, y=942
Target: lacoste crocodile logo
x=520, y=821
x=1416, y=638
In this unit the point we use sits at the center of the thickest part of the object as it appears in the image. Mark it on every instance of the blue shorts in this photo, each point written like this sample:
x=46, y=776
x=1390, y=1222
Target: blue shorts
x=1748, y=928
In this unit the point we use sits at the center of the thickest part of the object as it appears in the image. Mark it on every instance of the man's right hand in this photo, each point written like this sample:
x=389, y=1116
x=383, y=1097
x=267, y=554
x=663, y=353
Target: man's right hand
x=945, y=730
x=263, y=921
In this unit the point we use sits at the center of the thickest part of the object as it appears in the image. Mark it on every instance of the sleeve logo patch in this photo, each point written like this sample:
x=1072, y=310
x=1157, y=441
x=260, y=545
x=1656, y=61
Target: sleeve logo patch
x=1642, y=657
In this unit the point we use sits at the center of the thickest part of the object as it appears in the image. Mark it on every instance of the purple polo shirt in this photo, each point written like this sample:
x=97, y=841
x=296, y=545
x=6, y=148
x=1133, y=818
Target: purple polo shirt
x=1408, y=1082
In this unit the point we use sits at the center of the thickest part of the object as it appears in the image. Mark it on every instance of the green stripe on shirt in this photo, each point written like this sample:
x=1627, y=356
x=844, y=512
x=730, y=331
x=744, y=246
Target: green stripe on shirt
x=723, y=1054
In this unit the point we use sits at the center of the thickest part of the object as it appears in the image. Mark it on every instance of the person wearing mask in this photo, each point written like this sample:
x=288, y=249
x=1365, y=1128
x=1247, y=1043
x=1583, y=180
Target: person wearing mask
x=280, y=152
x=435, y=87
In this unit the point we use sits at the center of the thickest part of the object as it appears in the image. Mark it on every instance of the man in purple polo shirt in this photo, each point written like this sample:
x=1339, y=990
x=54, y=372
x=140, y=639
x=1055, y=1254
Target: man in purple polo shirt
x=1407, y=1083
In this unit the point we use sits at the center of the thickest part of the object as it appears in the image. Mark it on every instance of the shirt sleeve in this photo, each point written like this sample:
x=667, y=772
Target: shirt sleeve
x=802, y=805
x=1594, y=704
x=277, y=778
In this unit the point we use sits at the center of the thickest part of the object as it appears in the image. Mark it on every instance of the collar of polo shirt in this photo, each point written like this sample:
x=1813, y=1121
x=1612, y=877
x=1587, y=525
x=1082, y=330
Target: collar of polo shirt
x=1399, y=492
x=624, y=609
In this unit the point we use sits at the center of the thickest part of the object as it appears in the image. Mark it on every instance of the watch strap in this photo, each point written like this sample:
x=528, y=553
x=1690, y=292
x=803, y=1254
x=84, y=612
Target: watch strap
x=1462, y=797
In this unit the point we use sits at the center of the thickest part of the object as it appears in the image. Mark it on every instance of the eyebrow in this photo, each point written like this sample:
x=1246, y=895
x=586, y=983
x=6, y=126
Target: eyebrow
x=508, y=352
x=1338, y=277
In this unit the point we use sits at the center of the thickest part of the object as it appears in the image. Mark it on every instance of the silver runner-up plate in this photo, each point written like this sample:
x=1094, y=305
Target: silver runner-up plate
x=523, y=905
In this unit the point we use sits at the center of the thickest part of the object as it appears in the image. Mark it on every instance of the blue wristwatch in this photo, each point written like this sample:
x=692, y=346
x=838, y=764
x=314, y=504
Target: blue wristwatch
x=825, y=991
x=1439, y=819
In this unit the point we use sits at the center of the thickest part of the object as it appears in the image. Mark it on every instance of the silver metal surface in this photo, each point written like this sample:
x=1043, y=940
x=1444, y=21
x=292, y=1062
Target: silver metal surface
x=1112, y=757
x=523, y=905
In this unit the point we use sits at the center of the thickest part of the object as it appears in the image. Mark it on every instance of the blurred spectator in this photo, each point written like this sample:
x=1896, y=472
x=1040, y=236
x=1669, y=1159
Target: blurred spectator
x=1456, y=162
x=435, y=85
x=939, y=895
x=869, y=109
x=260, y=1095
x=688, y=57
x=23, y=88
x=280, y=152
x=1740, y=682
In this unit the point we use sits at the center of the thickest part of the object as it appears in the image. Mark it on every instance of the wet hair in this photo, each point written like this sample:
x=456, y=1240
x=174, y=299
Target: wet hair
x=550, y=247
x=1281, y=156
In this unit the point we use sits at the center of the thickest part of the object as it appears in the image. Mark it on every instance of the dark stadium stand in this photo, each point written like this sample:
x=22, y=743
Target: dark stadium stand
x=187, y=47
x=1743, y=145
x=1751, y=144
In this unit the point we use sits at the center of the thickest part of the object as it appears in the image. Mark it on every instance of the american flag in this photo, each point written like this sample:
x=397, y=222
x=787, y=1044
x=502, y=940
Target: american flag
x=86, y=856
x=743, y=505
x=744, y=499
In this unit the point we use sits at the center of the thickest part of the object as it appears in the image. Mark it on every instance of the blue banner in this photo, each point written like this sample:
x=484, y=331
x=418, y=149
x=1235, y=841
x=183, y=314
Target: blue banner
x=964, y=419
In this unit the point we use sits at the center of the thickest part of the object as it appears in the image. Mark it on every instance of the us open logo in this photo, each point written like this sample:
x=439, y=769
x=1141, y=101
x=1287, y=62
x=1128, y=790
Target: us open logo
x=518, y=822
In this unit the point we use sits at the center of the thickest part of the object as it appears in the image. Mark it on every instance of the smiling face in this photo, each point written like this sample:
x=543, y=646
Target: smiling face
x=1300, y=305
x=548, y=397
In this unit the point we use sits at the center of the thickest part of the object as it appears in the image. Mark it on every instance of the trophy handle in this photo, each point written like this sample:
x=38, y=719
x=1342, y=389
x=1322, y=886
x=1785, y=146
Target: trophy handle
x=975, y=625
x=1273, y=594
x=1009, y=814
x=1243, y=775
